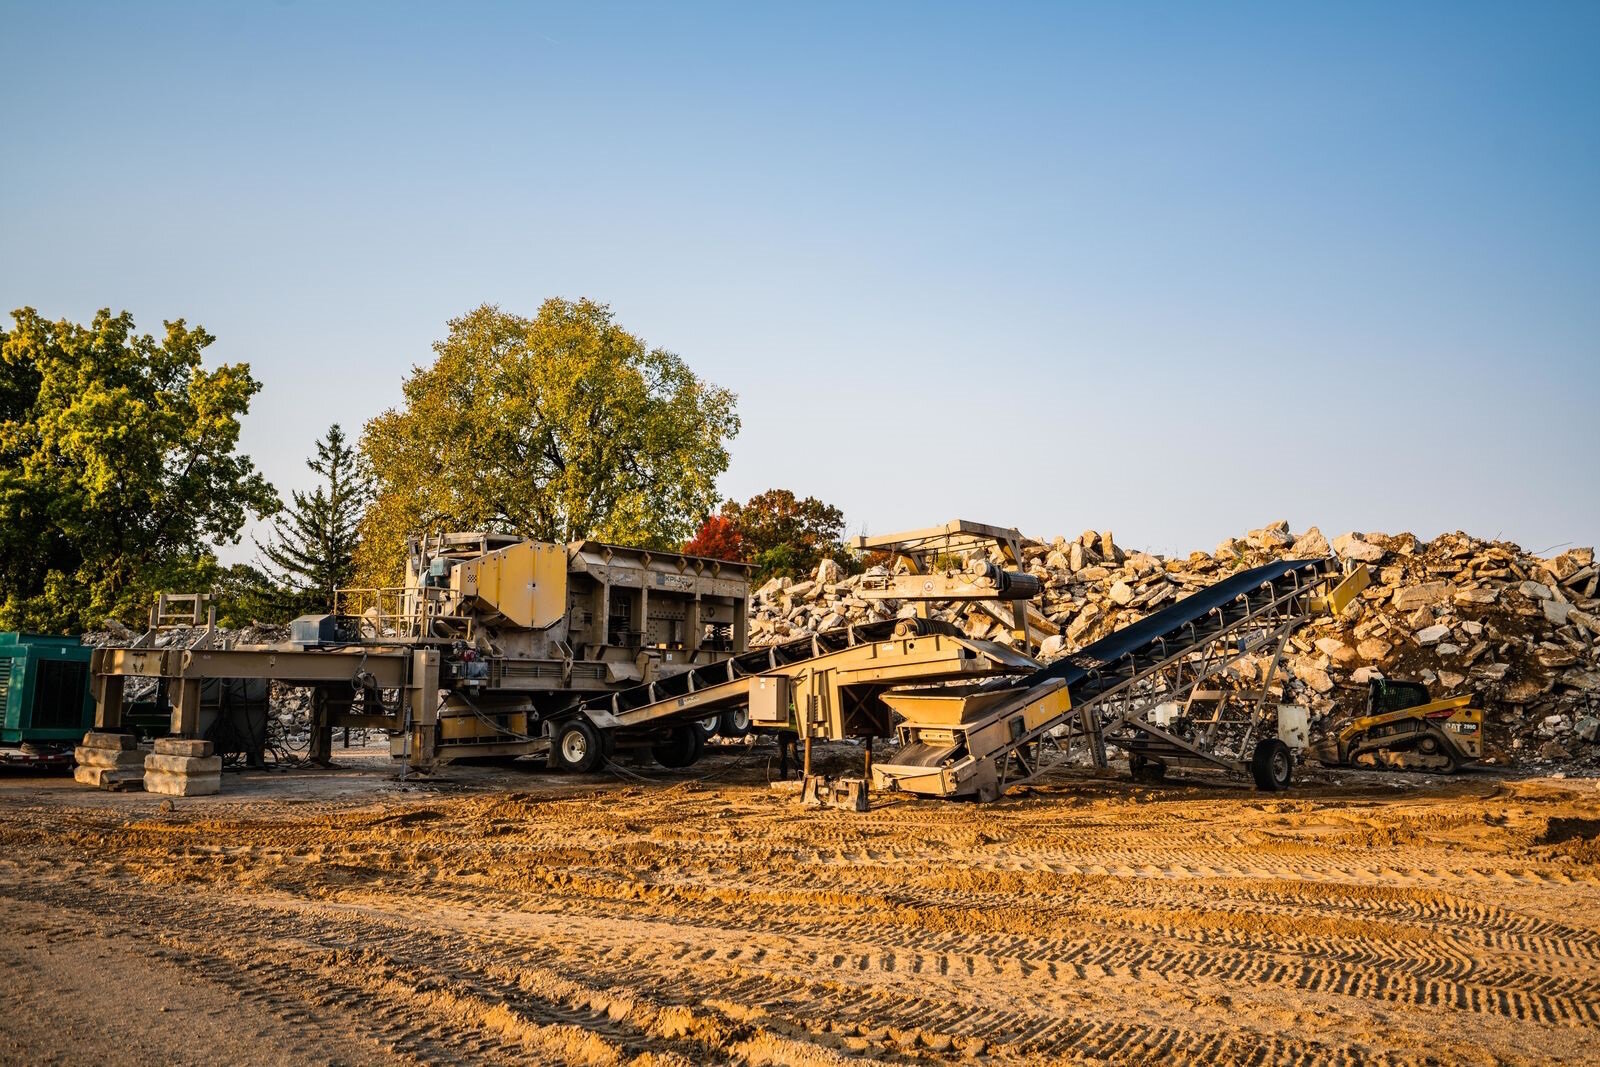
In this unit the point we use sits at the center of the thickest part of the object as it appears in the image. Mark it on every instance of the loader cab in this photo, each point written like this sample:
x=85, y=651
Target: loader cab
x=1384, y=696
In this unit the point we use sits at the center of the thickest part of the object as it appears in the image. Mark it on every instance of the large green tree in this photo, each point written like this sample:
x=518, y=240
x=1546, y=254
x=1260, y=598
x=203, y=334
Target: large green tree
x=559, y=427
x=312, y=548
x=118, y=467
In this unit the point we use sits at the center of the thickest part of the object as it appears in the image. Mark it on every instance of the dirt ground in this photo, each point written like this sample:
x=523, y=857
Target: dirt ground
x=505, y=915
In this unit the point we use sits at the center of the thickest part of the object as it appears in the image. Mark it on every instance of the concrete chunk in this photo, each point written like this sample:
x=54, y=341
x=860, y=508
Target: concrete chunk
x=1417, y=596
x=1313, y=676
x=1433, y=634
x=182, y=785
x=1311, y=544
x=1373, y=648
x=1349, y=546
x=198, y=766
x=109, y=777
x=184, y=746
x=107, y=757
x=116, y=742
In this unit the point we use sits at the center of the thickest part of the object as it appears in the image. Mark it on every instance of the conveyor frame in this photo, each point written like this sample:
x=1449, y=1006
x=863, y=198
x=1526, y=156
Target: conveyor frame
x=1114, y=683
x=836, y=675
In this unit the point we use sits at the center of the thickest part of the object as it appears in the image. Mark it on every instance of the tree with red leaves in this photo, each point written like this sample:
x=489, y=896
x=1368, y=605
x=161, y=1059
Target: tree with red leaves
x=717, y=538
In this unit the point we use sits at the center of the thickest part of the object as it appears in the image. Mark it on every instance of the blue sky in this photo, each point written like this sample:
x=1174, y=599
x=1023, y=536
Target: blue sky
x=1170, y=270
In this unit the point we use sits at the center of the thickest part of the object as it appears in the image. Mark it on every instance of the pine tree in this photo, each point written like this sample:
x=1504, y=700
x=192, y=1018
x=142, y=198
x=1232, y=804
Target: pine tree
x=313, y=543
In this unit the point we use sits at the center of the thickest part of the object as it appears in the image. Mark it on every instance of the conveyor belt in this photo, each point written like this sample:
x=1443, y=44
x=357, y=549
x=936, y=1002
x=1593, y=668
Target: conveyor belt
x=1164, y=656
x=1124, y=654
x=757, y=661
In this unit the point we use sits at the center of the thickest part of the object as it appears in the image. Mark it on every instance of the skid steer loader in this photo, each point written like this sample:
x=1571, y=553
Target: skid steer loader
x=1404, y=728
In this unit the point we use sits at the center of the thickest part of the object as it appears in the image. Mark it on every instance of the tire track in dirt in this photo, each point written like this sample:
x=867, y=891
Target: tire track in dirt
x=898, y=1024
x=1323, y=965
x=681, y=924
x=1361, y=969
x=436, y=1000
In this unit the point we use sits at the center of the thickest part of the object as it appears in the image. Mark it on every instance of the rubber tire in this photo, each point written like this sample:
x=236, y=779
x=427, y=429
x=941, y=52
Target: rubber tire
x=708, y=726
x=681, y=749
x=576, y=747
x=1145, y=769
x=734, y=724
x=1272, y=765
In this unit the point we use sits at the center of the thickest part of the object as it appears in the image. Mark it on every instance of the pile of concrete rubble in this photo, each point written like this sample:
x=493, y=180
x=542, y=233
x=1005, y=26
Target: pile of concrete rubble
x=259, y=633
x=1520, y=632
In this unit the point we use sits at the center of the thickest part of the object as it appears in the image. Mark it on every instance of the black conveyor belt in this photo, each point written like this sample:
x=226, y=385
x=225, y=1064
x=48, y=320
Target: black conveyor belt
x=1129, y=651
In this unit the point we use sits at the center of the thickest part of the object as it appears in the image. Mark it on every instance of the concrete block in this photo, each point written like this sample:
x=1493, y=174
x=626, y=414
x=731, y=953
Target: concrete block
x=1427, y=594
x=182, y=785
x=184, y=746
x=196, y=766
x=118, y=742
x=109, y=777
x=107, y=757
x=1432, y=635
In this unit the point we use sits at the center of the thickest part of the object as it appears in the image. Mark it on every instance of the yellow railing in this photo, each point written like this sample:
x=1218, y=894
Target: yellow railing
x=401, y=611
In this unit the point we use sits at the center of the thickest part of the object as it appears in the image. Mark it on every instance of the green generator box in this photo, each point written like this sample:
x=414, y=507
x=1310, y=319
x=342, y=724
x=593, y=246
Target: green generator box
x=45, y=699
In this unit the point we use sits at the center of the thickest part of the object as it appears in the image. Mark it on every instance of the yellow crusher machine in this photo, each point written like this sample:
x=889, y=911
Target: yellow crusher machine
x=497, y=646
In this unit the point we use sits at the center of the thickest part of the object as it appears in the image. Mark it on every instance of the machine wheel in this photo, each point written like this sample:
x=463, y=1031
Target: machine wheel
x=1145, y=769
x=1437, y=746
x=1272, y=765
x=708, y=726
x=576, y=746
x=734, y=724
x=681, y=748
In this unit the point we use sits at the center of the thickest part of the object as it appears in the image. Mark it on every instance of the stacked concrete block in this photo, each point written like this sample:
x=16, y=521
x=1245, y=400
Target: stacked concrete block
x=183, y=768
x=109, y=761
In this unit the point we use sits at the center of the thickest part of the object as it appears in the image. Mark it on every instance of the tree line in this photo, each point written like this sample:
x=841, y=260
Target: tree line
x=120, y=468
